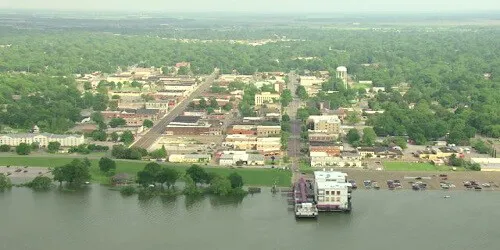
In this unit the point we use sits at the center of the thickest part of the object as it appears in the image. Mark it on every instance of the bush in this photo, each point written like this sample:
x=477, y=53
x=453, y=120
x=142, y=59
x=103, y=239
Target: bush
x=4, y=148
x=40, y=183
x=23, y=149
x=128, y=190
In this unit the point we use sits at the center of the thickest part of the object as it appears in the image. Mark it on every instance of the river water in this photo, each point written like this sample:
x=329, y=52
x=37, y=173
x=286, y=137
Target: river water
x=98, y=218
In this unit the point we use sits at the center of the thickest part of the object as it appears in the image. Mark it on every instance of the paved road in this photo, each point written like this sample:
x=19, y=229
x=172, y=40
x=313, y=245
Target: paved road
x=148, y=139
x=294, y=143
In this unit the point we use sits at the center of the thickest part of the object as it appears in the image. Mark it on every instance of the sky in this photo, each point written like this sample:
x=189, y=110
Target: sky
x=256, y=6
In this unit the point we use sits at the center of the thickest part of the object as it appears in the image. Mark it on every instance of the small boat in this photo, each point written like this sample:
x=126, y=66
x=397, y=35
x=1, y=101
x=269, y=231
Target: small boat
x=486, y=185
x=87, y=182
x=375, y=185
x=446, y=196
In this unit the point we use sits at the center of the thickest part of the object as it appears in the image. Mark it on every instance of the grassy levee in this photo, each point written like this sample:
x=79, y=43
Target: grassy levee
x=412, y=166
x=251, y=177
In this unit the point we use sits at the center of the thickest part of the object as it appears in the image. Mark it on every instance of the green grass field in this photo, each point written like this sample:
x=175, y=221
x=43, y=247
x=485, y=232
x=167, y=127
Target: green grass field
x=251, y=177
x=410, y=166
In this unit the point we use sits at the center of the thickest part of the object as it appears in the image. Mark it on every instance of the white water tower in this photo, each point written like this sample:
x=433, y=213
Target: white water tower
x=342, y=74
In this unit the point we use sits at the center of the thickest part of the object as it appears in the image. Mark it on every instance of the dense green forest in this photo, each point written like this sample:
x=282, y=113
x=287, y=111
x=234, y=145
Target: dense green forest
x=444, y=68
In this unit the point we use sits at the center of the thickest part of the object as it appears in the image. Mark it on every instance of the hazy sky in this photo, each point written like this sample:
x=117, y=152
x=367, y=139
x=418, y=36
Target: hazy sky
x=259, y=5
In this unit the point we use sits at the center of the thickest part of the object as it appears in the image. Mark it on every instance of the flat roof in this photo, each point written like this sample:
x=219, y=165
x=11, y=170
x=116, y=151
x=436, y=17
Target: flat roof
x=187, y=119
x=329, y=175
x=332, y=184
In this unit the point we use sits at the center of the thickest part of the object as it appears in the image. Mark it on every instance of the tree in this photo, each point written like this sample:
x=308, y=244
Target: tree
x=149, y=175
x=183, y=70
x=353, y=118
x=23, y=149
x=285, y=118
x=4, y=148
x=115, y=136
x=106, y=164
x=227, y=107
x=147, y=123
x=236, y=180
x=40, y=183
x=100, y=102
x=4, y=182
x=220, y=186
x=159, y=153
x=97, y=117
x=168, y=176
x=197, y=174
x=115, y=122
x=286, y=97
x=213, y=103
x=53, y=146
x=302, y=93
x=87, y=86
x=75, y=173
x=369, y=136
x=202, y=104
x=99, y=135
x=127, y=137
x=353, y=136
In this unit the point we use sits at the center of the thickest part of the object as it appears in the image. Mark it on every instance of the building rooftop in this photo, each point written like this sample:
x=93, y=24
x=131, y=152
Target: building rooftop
x=196, y=156
x=318, y=154
x=330, y=176
x=325, y=118
x=186, y=119
x=332, y=184
x=325, y=144
x=31, y=135
x=342, y=69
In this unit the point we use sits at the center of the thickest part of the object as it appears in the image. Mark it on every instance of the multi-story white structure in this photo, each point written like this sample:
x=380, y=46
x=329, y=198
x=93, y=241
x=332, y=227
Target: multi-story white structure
x=42, y=139
x=266, y=97
x=332, y=191
x=328, y=124
x=342, y=74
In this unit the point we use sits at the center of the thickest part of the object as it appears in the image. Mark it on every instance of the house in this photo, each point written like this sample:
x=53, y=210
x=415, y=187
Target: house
x=189, y=158
x=266, y=97
x=42, y=139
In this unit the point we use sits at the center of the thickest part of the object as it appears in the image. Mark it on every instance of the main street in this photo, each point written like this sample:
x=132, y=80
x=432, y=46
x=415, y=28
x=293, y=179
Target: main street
x=148, y=139
x=294, y=143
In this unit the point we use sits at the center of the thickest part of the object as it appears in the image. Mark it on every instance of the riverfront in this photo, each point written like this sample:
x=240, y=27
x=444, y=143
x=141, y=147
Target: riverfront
x=97, y=218
x=251, y=177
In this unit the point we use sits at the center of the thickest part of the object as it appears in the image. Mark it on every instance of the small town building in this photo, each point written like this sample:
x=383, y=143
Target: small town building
x=189, y=158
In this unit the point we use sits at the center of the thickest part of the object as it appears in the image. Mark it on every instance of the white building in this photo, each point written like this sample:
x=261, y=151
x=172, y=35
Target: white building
x=347, y=159
x=245, y=158
x=266, y=97
x=42, y=139
x=189, y=158
x=332, y=192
